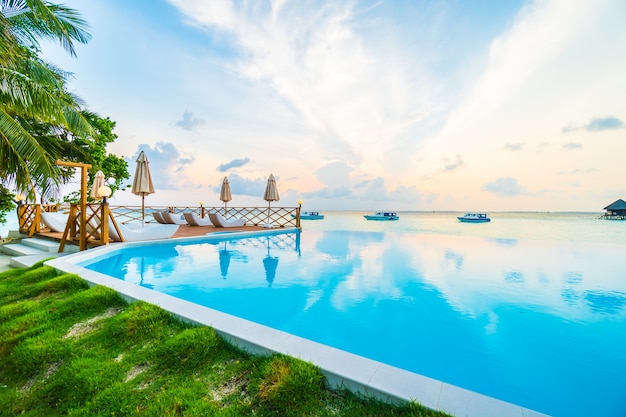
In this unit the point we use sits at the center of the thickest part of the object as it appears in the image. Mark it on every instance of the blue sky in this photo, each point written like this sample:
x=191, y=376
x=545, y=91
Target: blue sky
x=400, y=105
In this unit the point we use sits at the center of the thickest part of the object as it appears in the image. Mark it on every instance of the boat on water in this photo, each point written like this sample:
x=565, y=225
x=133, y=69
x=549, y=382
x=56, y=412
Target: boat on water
x=382, y=215
x=474, y=218
x=310, y=215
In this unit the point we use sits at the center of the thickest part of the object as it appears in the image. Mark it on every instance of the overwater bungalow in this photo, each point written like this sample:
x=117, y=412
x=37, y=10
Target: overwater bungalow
x=615, y=210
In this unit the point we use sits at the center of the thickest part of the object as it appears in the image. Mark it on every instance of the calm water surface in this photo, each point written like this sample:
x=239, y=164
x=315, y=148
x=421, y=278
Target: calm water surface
x=530, y=308
x=575, y=227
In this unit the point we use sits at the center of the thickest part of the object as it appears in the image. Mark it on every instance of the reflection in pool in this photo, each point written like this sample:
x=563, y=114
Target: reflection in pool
x=536, y=323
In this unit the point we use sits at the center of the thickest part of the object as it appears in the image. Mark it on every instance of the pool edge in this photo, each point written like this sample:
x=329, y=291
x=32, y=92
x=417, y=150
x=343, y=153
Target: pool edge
x=341, y=368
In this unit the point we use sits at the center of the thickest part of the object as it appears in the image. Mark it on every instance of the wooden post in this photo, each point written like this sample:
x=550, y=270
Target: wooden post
x=104, y=235
x=21, y=216
x=298, y=216
x=35, y=224
x=83, y=198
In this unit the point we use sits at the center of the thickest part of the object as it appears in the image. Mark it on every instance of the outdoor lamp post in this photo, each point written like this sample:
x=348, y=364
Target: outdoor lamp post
x=299, y=213
x=104, y=191
x=21, y=210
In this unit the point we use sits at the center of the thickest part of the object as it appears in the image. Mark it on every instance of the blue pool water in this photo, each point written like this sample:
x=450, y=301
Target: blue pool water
x=539, y=323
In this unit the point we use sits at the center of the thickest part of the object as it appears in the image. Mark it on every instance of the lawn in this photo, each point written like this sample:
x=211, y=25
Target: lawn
x=67, y=349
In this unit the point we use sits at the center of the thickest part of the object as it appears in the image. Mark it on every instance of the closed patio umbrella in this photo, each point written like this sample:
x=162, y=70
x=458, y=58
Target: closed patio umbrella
x=270, y=263
x=225, y=195
x=224, y=261
x=142, y=183
x=98, y=181
x=271, y=194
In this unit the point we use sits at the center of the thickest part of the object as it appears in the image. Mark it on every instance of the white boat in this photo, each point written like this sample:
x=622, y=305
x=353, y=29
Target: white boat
x=474, y=218
x=310, y=215
x=382, y=215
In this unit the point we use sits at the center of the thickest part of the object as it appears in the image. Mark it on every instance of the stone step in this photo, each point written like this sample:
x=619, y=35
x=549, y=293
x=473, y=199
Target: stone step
x=19, y=249
x=45, y=245
x=28, y=251
x=27, y=261
x=33, y=246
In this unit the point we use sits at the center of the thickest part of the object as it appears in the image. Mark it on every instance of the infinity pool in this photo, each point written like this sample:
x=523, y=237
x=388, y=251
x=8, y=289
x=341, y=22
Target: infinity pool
x=539, y=324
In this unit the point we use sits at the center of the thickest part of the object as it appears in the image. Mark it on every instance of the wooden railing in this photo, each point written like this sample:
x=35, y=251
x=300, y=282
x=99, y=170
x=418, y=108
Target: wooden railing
x=29, y=216
x=255, y=216
x=96, y=230
x=96, y=225
x=613, y=217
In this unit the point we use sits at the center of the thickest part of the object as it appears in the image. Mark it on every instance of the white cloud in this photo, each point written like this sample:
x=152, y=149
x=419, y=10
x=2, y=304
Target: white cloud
x=391, y=93
x=454, y=164
x=597, y=124
x=514, y=146
x=167, y=166
x=235, y=163
x=572, y=146
x=189, y=121
x=356, y=98
x=505, y=187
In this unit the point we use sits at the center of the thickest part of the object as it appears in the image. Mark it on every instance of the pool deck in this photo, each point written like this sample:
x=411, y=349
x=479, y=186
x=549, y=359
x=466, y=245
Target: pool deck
x=341, y=368
x=184, y=231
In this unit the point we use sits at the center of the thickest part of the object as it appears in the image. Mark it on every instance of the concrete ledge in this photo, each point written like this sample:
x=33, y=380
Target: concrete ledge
x=27, y=261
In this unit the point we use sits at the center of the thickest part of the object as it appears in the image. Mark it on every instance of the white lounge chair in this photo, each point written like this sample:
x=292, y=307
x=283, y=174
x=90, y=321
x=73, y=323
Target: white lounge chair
x=193, y=220
x=147, y=232
x=55, y=221
x=158, y=216
x=172, y=218
x=219, y=221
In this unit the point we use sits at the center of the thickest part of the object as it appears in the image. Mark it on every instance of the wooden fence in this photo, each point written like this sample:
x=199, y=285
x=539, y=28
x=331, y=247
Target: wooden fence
x=95, y=224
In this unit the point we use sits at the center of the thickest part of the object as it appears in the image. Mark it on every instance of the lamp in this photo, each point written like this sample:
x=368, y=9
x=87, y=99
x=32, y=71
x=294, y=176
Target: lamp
x=202, y=202
x=104, y=191
x=20, y=199
x=300, y=202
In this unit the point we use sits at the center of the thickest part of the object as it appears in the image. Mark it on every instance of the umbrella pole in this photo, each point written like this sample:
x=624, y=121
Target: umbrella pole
x=142, y=210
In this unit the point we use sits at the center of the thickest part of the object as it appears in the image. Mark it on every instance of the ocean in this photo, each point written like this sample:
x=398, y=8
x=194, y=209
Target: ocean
x=10, y=224
x=571, y=226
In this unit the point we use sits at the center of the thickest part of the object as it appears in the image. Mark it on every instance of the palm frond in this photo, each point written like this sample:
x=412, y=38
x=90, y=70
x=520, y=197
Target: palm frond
x=36, y=19
x=23, y=158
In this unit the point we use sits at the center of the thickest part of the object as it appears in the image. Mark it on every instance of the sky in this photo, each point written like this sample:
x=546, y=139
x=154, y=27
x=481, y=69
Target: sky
x=363, y=105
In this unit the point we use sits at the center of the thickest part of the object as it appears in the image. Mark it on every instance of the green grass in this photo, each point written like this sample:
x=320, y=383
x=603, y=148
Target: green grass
x=67, y=349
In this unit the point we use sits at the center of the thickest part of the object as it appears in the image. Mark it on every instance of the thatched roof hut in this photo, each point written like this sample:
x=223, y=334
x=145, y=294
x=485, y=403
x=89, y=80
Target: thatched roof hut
x=617, y=208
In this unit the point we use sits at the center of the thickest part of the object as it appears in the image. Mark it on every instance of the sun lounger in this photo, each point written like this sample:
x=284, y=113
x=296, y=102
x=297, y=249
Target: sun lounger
x=171, y=218
x=219, y=221
x=193, y=220
x=158, y=216
x=55, y=221
x=147, y=232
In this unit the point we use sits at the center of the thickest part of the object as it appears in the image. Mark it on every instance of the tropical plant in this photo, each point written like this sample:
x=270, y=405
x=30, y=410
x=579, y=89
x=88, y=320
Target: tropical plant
x=34, y=104
x=92, y=150
x=6, y=203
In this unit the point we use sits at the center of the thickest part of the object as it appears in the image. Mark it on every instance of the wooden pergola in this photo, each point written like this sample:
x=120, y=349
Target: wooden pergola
x=79, y=218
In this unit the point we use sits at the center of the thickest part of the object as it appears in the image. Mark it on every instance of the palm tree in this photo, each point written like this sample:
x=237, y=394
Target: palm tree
x=32, y=91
